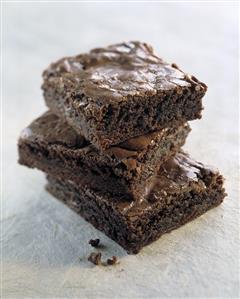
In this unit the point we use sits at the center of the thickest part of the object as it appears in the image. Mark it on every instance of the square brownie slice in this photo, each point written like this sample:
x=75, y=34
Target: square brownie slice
x=52, y=146
x=115, y=93
x=183, y=190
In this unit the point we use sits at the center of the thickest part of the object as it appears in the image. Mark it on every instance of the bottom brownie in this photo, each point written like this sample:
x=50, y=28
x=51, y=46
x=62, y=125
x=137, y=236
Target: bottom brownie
x=182, y=190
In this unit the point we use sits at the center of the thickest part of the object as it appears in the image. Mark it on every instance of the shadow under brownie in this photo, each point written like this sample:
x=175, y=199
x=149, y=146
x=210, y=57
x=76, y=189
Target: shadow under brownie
x=182, y=190
x=115, y=93
x=52, y=146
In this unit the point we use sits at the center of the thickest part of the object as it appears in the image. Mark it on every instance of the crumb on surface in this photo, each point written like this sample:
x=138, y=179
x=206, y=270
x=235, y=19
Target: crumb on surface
x=95, y=258
x=94, y=242
x=112, y=261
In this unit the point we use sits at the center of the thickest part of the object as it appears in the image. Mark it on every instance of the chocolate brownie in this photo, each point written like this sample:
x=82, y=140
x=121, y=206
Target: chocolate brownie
x=182, y=190
x=54, y=147
x=115, y=93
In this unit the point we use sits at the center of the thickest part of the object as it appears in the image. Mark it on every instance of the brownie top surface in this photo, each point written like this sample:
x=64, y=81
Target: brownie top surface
x=178, y=178
x=118, y=71
x=51, y=130
x=177, y=175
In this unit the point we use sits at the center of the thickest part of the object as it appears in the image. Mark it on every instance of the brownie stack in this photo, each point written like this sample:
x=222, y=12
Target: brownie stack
x=111, y=141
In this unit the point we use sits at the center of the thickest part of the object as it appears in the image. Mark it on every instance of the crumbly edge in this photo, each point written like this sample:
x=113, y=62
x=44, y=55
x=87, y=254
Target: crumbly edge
x=105, y=124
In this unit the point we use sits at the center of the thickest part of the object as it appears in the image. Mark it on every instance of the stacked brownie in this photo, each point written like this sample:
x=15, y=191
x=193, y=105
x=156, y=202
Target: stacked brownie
x=111, y=141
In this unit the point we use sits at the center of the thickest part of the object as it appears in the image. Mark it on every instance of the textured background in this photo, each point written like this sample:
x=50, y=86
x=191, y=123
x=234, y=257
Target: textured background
x=42, y=239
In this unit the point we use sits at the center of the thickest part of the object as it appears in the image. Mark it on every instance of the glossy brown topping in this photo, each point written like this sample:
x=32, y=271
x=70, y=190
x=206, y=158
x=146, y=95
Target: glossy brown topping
x=141, y=142
x=177, y=175
x=51, y=129
x=174, y=175
x=121, y=153
x=118, y=71
x=132, y=146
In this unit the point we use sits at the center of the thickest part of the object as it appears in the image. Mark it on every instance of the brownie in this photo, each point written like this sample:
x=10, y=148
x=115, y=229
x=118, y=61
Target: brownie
x=122, y=91
x=52, y=146
x=182, y=190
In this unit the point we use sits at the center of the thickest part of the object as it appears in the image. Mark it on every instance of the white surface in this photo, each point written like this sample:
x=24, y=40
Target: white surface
x=42, y=239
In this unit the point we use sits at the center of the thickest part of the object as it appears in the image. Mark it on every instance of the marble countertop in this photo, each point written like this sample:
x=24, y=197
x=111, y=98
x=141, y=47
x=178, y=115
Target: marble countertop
x=45, y=244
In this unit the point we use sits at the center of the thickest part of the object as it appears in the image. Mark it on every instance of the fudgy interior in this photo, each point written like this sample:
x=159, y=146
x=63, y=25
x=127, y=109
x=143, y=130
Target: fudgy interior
x=129, y=119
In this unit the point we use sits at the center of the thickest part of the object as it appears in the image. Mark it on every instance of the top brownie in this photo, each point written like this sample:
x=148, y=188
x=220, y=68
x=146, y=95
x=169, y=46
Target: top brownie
x=112, y=94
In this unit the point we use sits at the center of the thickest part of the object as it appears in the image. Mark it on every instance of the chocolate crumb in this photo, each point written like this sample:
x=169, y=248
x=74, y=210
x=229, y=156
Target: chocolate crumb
x=175, y=66
x=112, y=261
x=95, y=258
x=94, y=242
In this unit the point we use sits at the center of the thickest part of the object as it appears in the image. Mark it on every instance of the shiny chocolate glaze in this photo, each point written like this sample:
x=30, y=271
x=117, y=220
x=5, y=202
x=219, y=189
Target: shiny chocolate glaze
x=119, y=71
x=176, y=176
